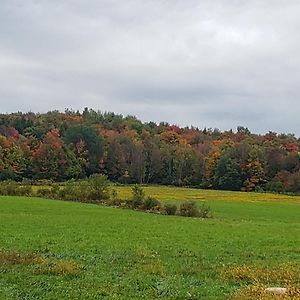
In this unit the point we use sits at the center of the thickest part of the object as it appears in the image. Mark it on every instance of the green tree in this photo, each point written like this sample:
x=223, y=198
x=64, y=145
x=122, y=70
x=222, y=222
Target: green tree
x=87, y=143
x=227, y=175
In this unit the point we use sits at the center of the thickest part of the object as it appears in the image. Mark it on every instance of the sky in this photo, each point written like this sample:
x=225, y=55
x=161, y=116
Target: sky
x=217, y=64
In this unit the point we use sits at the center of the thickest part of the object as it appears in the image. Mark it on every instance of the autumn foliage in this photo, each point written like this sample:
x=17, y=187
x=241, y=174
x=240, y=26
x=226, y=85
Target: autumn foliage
x=72, y=145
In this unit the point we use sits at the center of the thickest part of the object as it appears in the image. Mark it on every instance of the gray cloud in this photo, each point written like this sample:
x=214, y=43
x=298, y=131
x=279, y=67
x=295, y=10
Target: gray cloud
x=206, y=63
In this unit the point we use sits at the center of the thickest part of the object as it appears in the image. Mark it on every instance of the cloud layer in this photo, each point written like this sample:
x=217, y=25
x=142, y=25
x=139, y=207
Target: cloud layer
x=206, y=63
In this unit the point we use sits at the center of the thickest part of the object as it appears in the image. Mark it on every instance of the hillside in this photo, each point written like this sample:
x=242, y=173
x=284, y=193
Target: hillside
x=61, y=146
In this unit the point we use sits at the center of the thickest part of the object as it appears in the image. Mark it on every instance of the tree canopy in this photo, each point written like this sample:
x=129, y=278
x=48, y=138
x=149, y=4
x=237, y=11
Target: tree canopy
x=71, y=145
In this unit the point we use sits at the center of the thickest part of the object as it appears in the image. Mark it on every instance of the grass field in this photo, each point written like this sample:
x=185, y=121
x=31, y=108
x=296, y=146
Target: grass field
x=175, y=194
x=62, y=250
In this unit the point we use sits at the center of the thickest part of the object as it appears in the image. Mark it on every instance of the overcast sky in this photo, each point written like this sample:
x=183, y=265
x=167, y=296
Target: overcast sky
x=189, y=62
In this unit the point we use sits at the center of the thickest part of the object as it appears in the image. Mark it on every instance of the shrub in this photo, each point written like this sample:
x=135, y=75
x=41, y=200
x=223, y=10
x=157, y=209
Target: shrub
x=26, y=181
x=43, y=182
x=54, y=191
x=12, y=188
x=113, y=194
x=99, y=187
x=79, y=191
x=62, y=194
x=9, y=188
x=189, y=209
x=205, y=211
x=43, y=192
x=150, y=203
x=24, y=190
x=170, y=209
x=138, y=196
x=275, y=186
x=114, y=200
x=94, y=189
x=127, y=203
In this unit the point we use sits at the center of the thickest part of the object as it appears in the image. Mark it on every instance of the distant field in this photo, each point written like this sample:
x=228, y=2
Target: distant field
x=62, y=250
x=170, y=193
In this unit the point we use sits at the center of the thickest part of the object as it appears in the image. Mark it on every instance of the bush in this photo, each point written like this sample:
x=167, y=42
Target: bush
x=26, y=181
x=189, y=209
x=205, y=211
x=99, y=187
x=9, y=188
x=43, y=192
x=138, y=196
x=61, y=194
x=150, y=203
x=170, y=209
x=24, y=190
x=79, y=191
x=114, y=200
x=275, y=186
x=113, y=194
x=92, y=190
x=12, y=188
x=54, y=191
x=43, y=182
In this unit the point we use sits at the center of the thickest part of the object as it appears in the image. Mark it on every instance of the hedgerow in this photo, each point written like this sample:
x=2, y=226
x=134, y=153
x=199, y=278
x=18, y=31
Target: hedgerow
x=97, y=189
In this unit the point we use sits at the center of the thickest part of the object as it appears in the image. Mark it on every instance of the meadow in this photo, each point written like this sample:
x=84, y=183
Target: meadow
x=51, y=249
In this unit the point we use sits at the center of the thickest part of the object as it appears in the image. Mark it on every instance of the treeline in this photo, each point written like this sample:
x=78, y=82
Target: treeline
x=73, y=145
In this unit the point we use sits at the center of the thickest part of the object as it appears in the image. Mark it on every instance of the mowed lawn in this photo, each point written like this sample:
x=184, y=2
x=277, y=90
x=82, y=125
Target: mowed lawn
x=63, y=250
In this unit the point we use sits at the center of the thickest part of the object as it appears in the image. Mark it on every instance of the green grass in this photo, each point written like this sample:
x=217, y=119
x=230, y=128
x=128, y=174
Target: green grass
x=86, y=251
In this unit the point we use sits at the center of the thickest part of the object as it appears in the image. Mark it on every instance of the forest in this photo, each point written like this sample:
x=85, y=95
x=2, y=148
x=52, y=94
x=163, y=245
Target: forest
x=59, y=146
